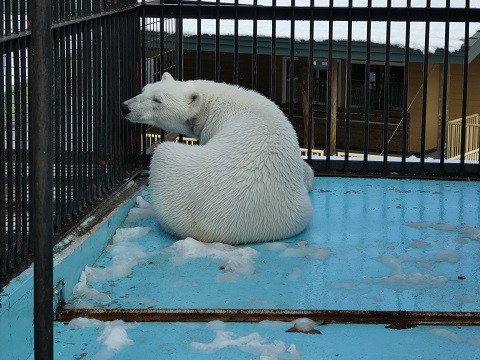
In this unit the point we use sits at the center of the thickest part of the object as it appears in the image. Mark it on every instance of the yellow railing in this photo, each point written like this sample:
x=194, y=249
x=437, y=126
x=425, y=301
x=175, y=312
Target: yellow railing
x=472, y=138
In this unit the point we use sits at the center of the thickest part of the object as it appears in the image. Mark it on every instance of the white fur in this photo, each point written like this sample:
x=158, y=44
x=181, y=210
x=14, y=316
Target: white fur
x=246, y=182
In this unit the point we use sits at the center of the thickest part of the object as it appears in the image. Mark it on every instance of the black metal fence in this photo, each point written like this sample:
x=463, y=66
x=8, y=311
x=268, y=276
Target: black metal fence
x=105, y=50
x=253, y=59
x=97, y=65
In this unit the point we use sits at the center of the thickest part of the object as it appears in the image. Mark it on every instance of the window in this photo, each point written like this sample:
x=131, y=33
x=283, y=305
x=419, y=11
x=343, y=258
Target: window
x=319, y=68
x=376, y=85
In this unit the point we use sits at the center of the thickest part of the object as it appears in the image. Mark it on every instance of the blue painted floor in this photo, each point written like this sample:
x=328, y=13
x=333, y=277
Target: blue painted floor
x=373, y=244
x=251, y=341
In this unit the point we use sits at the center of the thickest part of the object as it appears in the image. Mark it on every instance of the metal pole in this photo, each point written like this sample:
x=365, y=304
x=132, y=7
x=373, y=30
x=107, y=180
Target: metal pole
x=41, y=83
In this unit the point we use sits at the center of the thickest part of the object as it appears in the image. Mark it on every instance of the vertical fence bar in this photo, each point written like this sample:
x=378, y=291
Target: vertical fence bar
x=75, y=115
x=235, y=45
x=405, y=91
x=444, y=93
x=25, y=145
x=144, y=79
x=348, y=88
x=310, y=133
x=367, y=91
x=42, y=177
x=463, y=132
x=9, y=148
x=291, y=72
x=56, y=126
x=179, y=57
x=386, y=91
x=83, y=131
x=69, y=122
x=199, y=39
x=255, y=50
x=273, y=59
x=3, y=208
x=89, y=110
x=63, y=122
x=328, y=147
x=18, y=146
x=425, y=93
x=97, y=120
x=217, y=41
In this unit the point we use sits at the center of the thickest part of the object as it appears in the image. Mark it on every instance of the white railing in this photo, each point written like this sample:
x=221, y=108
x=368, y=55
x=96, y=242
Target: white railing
x=472, y=138
x=315, y=152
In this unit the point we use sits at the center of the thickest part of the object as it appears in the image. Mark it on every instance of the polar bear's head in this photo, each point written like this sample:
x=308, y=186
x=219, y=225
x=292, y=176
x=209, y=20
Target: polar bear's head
x=168, y=104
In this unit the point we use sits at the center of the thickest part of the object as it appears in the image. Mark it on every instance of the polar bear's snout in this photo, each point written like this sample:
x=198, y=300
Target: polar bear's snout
x=124, y=108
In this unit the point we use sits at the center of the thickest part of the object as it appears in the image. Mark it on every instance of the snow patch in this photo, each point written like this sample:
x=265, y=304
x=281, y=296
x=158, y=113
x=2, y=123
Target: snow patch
x=449, y=256
x=144, y=210
x=275, y=246
x=470, y=232
x=82, y=323
x=305, y=251
x=420, y=244
x=234, y=260
x=252, y=343
x=450, y=335
x=113, y=339
x=409, y=280
x=216, y=325
x=125, y=255
x=81, y=289
x=340, y=30
x=295, y=274
x=400, y=279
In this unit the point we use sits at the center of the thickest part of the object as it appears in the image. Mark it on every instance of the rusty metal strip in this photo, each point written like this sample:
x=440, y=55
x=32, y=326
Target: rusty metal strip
x=256, y=315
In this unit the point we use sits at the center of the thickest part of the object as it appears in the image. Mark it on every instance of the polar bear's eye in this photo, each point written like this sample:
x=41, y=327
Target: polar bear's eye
x=157, y=101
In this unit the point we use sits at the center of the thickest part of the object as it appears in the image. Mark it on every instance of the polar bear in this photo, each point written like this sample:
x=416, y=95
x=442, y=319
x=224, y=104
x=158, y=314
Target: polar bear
x=245, y=183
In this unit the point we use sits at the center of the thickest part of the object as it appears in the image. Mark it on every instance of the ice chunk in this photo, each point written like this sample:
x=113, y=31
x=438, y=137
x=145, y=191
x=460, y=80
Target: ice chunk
x=303, y=325
x=141, y=203
x=136, y=214
x=127, y=234
x=82, y=289
x=305, y=251
x=252, y=343
x=113, y=339
x=234, y=260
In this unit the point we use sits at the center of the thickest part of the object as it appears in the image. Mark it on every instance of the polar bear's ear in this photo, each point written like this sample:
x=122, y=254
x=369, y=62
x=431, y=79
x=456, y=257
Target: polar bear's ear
x=194, y=98
x=166, y=76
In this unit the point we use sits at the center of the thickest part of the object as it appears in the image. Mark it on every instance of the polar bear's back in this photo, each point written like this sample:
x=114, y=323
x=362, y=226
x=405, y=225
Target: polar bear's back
x=227, y=195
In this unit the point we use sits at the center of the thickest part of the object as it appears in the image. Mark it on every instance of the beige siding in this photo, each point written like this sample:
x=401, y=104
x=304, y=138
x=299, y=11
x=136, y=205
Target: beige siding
x=455, y=90
x=415, y=102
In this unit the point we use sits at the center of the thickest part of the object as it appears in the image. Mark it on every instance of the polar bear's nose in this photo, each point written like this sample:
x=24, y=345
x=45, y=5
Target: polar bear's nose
x=124, y=108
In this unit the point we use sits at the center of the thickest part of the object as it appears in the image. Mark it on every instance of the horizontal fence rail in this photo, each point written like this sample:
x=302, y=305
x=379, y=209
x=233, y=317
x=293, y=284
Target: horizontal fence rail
x=97, y=65
x=382, y=95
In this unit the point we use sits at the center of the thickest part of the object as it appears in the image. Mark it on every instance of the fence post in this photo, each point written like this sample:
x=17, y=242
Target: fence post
x=41, y=161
